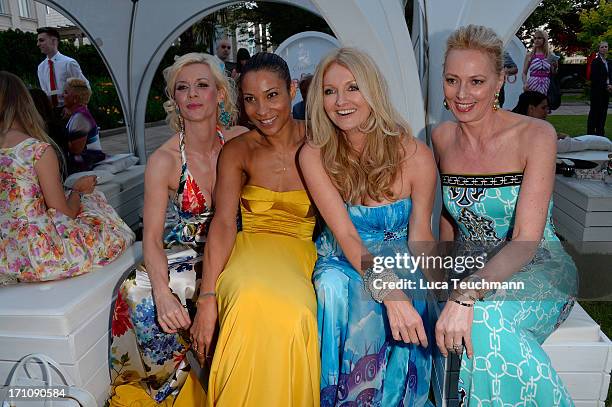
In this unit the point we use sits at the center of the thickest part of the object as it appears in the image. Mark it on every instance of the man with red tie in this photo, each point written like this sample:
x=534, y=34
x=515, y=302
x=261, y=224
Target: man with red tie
x=56, y=69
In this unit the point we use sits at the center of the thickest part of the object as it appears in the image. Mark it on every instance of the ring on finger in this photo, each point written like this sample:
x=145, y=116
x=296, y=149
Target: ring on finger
x=458, y=349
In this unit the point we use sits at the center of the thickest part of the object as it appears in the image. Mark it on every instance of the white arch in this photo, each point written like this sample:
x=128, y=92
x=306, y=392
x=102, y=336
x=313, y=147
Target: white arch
x=132, y=45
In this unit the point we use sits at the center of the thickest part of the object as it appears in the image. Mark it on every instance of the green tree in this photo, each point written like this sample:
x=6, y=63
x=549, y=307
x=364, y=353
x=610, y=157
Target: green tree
x=596, y=25
x=561, y=18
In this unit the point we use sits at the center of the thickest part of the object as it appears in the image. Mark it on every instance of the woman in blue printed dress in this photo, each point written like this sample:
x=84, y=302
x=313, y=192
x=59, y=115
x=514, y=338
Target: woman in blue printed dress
x=151, y=321
x=373, y=183
x=497, y=170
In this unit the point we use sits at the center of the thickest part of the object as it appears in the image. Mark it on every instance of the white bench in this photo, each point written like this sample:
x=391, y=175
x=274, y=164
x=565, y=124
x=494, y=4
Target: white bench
x=579, y=352
x=125, y=193
x=68, y=320
x=582, y=213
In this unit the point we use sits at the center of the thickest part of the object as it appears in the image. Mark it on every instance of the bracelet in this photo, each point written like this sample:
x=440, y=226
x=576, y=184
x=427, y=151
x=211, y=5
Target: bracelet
x=386, y=276
x=465, y=304
x=208, y=294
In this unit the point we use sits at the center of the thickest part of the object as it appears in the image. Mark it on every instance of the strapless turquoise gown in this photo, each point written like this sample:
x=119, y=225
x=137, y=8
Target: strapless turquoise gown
x=361, y=364
x=509, y=366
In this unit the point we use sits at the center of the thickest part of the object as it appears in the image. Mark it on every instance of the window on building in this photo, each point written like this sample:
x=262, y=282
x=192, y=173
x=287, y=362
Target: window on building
x=25, y=8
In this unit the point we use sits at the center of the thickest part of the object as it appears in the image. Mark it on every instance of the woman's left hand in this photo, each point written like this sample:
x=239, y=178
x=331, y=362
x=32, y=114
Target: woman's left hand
x=203, y=328
x=454, y=329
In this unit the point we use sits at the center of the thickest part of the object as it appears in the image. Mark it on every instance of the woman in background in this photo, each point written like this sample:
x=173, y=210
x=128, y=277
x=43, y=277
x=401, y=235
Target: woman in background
x=47, y=234
x=82, y=131
x=539, y=64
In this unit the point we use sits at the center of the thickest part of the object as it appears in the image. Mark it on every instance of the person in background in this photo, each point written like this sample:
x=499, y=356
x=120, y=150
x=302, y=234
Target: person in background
x=223, y=52
x=601, y=87
x=534, y=104
x=299, y=110
x=242, y=56
x=510, y=69
x=46, y=233
x=55, y=70
x=539, y=65
x=82, y=132
x=53, y=125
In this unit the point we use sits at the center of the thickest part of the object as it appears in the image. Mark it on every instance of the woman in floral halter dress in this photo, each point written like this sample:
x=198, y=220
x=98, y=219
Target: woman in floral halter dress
x=151, y=319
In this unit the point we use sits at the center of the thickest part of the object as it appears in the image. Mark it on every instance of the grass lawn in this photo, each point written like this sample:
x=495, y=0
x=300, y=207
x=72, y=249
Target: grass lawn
x=601, y=312
x=572, y=98
x=575, y=125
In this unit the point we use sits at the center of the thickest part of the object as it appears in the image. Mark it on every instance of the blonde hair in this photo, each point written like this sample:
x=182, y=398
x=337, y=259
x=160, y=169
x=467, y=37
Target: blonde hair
x=545, y=46
x=80, y=89
x=480, y=38
x=17, y=106
x=221, y=81
x=373, y=173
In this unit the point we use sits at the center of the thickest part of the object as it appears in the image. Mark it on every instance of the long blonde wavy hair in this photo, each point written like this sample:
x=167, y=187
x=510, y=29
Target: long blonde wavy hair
x=221, y=80
x=17, y=106
x=373, y=172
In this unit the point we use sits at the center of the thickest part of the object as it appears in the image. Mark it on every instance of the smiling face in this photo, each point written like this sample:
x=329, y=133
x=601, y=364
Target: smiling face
x=267, y=102
x=47, y=44
x=195, y=93
x=342, y=100
x=470, y=84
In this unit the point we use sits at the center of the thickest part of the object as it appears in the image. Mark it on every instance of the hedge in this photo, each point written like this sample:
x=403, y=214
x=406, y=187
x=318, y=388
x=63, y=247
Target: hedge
x=20, y=55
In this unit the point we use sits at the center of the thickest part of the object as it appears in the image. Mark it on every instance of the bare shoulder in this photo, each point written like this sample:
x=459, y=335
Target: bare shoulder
x=234, y=132
x=442, y=134
x=163, y=160
x=309, y=152
x=239, y=144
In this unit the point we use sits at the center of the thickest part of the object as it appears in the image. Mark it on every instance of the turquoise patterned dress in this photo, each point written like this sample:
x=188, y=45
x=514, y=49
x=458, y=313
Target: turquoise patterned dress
x=361, y=364
x=509, y=366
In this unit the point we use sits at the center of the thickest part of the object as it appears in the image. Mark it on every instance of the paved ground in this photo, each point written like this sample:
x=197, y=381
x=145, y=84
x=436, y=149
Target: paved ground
x=155, y=136
x=575, y=109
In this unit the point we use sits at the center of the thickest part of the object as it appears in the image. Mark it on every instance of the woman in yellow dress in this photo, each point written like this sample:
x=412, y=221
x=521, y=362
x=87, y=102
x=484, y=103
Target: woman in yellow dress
x=258, y=280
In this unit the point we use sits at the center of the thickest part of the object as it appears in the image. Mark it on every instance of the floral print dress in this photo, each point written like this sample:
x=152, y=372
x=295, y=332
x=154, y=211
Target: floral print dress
x=39, y=243
x=141, y=352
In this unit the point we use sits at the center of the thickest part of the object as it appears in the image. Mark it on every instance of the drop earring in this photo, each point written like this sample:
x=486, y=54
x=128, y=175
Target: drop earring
x=224, y=116
x=445, y=104
x=496, y=105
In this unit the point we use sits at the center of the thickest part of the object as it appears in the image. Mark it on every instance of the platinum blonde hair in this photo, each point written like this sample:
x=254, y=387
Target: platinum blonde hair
x=373, y=172
x=480, y=38
x=221, y=81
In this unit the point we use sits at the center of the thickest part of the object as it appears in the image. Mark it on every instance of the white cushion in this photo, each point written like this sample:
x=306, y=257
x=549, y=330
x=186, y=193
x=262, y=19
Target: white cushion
x=570, y=144
x=578, y=327
x=102, y=177
x=596, y=142
x=117, y=163
x=58, y=308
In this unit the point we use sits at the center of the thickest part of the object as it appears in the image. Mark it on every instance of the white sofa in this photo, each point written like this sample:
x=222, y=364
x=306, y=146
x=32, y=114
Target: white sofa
x=125, y=193
x=69, y=320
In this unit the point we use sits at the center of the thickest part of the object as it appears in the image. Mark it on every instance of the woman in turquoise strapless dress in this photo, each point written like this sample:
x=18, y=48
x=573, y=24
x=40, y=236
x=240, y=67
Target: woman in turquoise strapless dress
x=497, y=173
x=370, y=179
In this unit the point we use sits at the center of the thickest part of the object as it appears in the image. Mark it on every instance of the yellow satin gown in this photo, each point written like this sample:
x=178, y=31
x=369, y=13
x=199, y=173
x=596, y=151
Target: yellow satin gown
x=267, y=351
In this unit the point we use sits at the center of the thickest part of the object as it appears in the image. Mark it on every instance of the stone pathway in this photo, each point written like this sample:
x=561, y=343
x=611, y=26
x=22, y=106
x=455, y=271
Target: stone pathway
x=155, y=136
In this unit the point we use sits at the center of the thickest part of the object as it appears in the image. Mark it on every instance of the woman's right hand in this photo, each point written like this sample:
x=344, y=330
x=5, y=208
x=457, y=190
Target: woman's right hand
x=171, y=314
x=85, y=184
x=405, y=322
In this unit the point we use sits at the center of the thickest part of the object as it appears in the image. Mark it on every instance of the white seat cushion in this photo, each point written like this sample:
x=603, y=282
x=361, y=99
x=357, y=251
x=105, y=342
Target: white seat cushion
x=58, y=308
x=578, y=327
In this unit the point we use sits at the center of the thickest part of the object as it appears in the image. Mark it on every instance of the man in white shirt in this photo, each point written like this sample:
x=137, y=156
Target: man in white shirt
x=56, y=68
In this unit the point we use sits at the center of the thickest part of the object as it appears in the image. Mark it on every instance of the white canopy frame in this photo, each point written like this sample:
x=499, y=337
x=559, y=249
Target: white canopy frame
x=132, y=40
